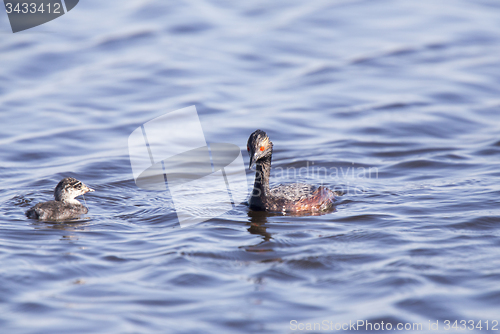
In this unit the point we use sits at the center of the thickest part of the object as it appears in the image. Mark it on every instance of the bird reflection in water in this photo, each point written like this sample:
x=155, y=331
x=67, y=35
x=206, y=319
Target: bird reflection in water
x=258, y=220
x=257, y=225
x=75, y=225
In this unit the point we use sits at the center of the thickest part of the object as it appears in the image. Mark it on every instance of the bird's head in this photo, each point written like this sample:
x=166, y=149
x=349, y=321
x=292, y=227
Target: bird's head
x=259, y=146
x=69, y=188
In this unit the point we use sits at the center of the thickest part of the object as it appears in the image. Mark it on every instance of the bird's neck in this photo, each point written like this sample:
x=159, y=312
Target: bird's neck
x=262, y=174
x=70, y=200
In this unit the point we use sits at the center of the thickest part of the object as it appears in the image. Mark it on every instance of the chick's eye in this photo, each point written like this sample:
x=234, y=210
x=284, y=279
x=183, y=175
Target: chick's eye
x=262, y=148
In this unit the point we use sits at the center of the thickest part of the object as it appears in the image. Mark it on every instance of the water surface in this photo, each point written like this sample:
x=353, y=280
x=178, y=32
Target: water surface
x=406, y=90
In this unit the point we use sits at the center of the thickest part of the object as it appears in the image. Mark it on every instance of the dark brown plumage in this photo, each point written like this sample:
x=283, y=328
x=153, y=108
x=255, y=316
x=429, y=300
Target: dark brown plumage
x=295, y=197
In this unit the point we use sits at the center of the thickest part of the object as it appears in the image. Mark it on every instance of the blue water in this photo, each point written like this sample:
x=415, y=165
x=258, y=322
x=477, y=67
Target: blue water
x=407, y=90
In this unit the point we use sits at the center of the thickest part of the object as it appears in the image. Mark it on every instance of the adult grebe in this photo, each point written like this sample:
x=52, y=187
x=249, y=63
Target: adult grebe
x=295, y=197
x=65, y=205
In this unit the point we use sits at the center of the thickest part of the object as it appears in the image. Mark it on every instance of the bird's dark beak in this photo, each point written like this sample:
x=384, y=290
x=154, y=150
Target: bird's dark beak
x=251, y=166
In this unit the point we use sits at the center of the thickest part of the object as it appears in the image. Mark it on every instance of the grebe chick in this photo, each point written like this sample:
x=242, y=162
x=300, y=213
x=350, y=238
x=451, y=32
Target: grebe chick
x=295, y=197
x=65, y=205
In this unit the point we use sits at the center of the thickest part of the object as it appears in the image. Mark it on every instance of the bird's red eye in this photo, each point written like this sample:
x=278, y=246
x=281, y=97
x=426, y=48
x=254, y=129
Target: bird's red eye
x=262, y=148
x=248, y=148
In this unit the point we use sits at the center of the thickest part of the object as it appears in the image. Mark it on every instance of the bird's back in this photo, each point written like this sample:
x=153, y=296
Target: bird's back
x=56, y=210
x=300, y=197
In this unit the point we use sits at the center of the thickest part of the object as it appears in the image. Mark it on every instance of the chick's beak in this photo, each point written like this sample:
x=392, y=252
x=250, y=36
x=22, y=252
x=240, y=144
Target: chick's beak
x=88, y=189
